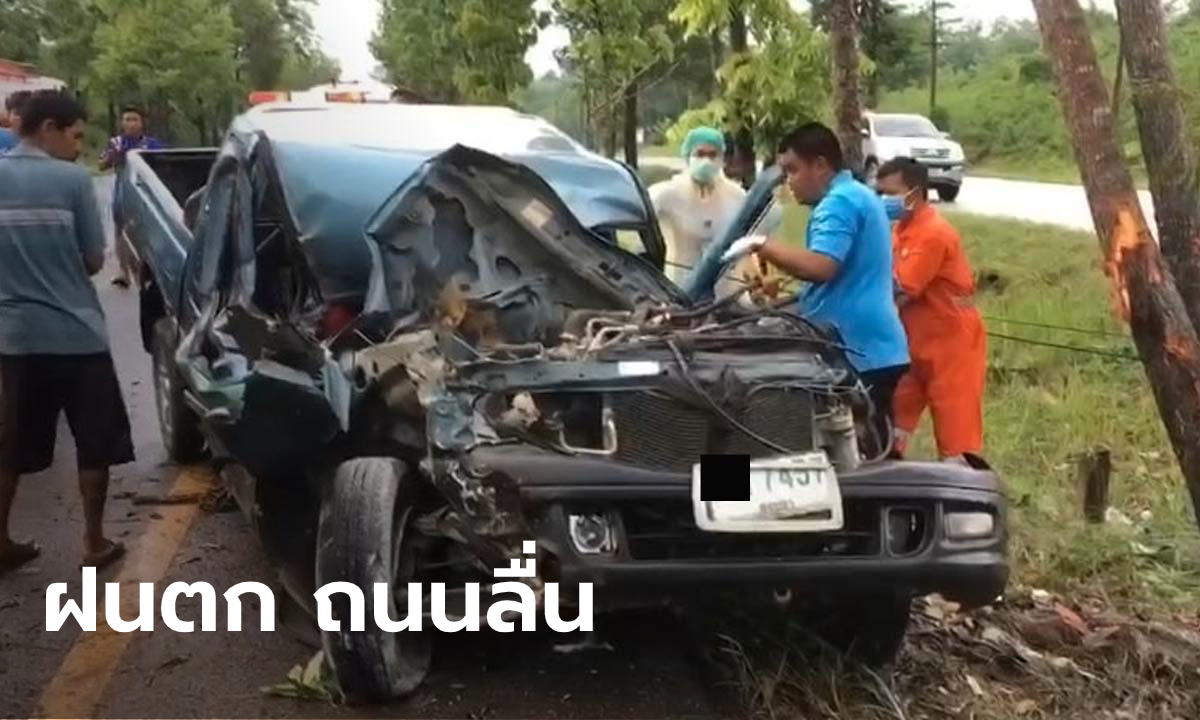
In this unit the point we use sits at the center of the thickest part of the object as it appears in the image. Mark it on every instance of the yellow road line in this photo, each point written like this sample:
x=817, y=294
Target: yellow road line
x=81, y=680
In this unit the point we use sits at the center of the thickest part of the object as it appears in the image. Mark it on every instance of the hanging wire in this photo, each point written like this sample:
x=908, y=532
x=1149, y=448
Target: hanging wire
x=1014, y=338
x=1071, y=348
x=1050, y=326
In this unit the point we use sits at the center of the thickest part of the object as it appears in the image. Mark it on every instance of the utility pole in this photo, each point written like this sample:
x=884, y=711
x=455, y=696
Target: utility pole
x=933, y=56
x=937, y=23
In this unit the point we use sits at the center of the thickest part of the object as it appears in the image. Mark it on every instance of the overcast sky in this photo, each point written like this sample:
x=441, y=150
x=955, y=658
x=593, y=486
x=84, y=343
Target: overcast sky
x=345, y=27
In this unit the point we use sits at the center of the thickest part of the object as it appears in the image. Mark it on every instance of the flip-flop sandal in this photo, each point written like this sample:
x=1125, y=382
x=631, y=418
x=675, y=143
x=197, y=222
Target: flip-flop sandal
x=17, y=555
x=106, y=557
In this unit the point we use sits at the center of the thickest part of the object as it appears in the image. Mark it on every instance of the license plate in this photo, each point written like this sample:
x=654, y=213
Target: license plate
x=797, y=493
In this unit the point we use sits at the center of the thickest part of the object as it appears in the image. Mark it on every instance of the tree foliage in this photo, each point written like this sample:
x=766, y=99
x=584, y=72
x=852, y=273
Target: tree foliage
x=613, y=44
x=19, y=20
x=262, y=44
x=172, y=56
x=457, y=50
x=780, y=80
x=189, y=62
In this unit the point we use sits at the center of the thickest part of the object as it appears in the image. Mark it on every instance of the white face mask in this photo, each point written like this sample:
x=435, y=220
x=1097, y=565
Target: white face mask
x=703, y=170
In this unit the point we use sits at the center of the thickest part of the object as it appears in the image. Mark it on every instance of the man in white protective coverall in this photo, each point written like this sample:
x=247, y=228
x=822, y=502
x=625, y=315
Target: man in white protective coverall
x=696, y=205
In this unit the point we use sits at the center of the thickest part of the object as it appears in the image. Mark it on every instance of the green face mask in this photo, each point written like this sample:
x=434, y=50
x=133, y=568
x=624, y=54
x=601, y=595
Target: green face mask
x=703, y=170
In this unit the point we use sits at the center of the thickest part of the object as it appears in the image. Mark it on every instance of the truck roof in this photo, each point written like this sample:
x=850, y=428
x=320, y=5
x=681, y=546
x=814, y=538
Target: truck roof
x=338, y=162
x=601, y=192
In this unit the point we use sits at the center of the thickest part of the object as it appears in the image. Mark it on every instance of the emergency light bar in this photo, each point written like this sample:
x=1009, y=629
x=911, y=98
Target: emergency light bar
x=259, y=97
x=347, y=96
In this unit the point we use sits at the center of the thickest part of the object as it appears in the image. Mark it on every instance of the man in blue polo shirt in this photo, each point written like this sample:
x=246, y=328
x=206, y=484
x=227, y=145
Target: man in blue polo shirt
x=847, y=259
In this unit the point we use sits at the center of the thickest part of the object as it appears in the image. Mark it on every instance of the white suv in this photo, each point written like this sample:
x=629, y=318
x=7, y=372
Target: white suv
x=888, y=136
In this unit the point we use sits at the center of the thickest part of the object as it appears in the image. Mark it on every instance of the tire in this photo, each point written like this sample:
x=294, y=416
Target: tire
x=361, y=540
x=948, y=193
x=868, y=627
x=178, y=425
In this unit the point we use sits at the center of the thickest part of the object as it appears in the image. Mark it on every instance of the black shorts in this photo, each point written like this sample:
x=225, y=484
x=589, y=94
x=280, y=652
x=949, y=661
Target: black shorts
x=34, y=389
x=881, y=384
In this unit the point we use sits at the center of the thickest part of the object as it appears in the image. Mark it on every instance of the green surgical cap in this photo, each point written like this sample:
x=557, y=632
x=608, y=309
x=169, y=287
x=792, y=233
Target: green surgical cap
x=703, y=136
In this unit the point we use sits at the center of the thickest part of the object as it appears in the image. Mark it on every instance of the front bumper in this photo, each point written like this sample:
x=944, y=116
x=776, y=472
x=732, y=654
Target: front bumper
x=660, y=550
x=944, y=173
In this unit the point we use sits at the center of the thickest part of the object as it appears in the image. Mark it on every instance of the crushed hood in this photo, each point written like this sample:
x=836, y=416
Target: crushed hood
x=470, y=228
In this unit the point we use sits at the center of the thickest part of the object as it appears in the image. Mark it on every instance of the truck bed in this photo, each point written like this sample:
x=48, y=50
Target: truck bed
x=156, y=188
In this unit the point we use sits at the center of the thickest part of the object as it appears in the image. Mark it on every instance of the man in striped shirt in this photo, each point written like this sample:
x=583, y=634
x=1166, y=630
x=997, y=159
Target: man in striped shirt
x=54, y=353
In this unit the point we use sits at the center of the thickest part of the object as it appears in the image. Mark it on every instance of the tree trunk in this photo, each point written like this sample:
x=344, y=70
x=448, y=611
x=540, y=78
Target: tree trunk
x=610, y=131
x=631, y=123
x=589, y=119
x=743, y=134
x=844, y=31
x=1143, y=289
x=1166, y=144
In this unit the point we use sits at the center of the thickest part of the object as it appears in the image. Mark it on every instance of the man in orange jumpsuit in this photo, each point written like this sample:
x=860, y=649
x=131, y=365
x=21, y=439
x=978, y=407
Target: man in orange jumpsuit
x=935, y=290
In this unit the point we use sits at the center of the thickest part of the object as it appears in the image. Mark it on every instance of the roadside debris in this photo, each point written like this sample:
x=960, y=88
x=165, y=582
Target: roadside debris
x=312, y=681
x=1034, y=655
x=218, y=499
x=588, y=642
x=174, y=662
x=181, y=499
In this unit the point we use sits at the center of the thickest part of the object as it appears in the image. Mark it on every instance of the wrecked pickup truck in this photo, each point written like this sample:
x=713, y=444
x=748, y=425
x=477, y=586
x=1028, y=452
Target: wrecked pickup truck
x=416, y=337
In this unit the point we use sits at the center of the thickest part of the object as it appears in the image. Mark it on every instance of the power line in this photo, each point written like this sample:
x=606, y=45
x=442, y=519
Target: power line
x=1071, y=348
x=1049, y=326
x=1128, y=357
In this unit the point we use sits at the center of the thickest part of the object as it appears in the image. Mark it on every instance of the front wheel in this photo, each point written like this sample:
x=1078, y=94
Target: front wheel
x=364, y=537
x=948, y=193
x=178, y=425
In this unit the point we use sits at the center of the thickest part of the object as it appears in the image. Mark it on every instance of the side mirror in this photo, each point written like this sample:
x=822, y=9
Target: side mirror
x=866, y=132
x=945, y=135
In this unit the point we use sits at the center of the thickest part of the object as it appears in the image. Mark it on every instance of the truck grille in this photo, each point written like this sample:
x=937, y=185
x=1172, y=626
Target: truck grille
x=666, y=530
x=657, y=431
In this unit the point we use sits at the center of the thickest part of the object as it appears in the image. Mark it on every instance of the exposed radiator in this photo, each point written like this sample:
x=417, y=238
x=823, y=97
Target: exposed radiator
x=658, y=431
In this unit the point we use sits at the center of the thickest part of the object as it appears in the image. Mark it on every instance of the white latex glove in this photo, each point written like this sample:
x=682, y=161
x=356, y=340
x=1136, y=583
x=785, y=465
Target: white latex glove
x=743, y=247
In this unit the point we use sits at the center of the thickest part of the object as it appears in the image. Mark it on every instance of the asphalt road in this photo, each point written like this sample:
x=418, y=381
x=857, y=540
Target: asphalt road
x=1052, y=203
x=646, y=665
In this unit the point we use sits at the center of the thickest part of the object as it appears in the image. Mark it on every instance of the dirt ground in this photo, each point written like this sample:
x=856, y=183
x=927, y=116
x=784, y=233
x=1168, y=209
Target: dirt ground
x=1034, y=656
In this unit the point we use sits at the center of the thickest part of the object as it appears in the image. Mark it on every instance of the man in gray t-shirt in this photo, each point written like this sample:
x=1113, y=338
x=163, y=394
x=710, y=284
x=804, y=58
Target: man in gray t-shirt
x=54, y=354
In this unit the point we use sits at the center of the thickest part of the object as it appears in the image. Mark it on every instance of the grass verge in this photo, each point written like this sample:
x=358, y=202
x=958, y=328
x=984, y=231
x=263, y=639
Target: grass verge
x=1100, y=620
x=1050, y=170
x=1046, y=405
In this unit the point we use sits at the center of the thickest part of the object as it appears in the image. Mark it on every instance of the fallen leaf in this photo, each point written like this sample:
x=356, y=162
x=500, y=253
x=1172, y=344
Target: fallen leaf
x=1071, y=619
x=975, y=686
